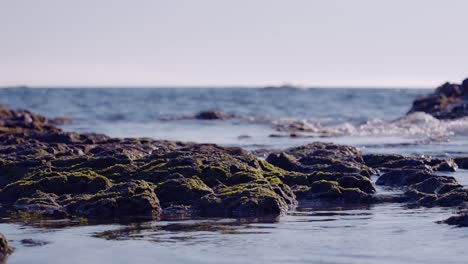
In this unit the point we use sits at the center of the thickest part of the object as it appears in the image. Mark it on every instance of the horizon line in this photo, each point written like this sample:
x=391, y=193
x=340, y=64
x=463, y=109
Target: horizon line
x=220, y=86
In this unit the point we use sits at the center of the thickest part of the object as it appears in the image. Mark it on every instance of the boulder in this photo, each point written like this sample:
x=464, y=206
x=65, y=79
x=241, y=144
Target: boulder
x=5, y=249
x=460, y=220
x=449, y=101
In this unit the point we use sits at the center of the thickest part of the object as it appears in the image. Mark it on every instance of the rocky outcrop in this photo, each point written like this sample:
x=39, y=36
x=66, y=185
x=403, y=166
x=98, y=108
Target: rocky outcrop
x=326, y=171
x=49, y=172
x=423, y=186
x=387, y=162
x=460, y=220
x=5, y=249
x=212, y=115
x=449, y=101
x=462, y=162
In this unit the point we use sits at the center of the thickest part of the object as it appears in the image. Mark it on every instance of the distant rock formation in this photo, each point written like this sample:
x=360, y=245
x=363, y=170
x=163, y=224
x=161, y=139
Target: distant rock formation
x=449, y=101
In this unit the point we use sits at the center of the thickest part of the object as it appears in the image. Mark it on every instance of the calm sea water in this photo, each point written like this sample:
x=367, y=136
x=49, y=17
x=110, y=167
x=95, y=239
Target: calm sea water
x=372, y=119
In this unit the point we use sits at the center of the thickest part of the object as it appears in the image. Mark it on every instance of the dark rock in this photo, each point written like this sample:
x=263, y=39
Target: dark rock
x=404, y=177
x=211, y=115
x=332, y=191
x=449, y=101
x=249, y=199
x=437, y=185
x=460, y=220
x=394, y=161
x=133, y=198
x=49, y=172
x=29, y=242
x=284, y=161
x=182, y=191
x=453, y=198
x=462, y=162
x=360, y=182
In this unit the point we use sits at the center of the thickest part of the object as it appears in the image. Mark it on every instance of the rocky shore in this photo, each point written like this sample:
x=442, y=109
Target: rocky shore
x=45, y=171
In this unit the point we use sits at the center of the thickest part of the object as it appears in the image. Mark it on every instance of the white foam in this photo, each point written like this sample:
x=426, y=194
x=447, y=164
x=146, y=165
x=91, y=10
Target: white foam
x=415, y=124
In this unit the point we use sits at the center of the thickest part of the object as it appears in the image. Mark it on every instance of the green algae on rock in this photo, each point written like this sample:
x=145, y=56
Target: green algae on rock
x=55, y=173
x=46, y=171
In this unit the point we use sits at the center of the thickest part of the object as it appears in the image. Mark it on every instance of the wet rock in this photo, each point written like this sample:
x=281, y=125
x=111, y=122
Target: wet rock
x=325, y=157
x=332, y=191
x=212, y=115
x=51, y=172
x=462, y=162
x=325, y=164
x=437, y=185
x=5, y=249
x=29, y=242
x=424, y=188
x=133, y=198
x=244, y=200
x=404, y=177
x=460, y=220
x=40, y=203
x=449, y=101
x=47, y=171
x=453, y=198
x=182, y=191
x=395, y=161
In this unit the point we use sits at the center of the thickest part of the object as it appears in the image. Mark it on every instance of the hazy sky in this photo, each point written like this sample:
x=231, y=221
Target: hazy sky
x=238, y=42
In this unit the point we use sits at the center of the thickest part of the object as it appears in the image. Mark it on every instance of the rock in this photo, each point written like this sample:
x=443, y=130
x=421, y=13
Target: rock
x=49, y=172
x=211, y=115
x=55, y=173
x=460, y=220
x=462, y=162
x=453, y=198
x=245, y=200
x=437, y=185
x=449, y=101
x=395, y=161
x=325, y=164
x=29, y=242
x=325, y=157
x=404, y=177
x=133, y=198
x=5, y=249
x=332, y=191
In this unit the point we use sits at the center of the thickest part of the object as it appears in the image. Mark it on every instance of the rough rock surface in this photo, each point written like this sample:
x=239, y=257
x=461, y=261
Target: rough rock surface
x=5, y=249
x=449, y=101
x=460, y=220
x=325, y=170
x=49, y=172
x=424, y=187
x=462, y=162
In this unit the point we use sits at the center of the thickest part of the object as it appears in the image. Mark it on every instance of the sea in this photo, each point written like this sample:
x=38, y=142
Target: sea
x=260, y=120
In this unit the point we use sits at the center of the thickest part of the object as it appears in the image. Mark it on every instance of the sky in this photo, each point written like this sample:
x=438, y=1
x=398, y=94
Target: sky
x=322, y=43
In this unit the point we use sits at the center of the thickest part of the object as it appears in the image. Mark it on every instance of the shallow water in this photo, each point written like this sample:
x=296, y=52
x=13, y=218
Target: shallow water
x=366, y=118
x=386, y=233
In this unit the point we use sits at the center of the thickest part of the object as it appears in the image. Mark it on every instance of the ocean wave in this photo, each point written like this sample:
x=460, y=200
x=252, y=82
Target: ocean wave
x=415, y=124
